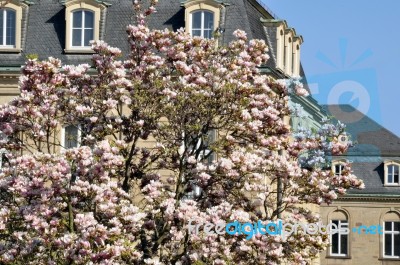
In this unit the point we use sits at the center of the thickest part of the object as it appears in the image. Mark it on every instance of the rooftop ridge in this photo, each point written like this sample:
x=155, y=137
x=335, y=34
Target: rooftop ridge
x=261, y=3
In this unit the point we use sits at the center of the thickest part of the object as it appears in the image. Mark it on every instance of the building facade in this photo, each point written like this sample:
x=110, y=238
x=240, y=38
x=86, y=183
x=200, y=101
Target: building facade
x=372, y=215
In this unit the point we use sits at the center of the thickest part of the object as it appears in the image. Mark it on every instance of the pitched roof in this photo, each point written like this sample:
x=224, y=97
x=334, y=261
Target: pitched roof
x=369, y=137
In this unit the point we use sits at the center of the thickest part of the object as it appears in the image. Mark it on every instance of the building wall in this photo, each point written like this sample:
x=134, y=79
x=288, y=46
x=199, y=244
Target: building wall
x=363, y=248
x=8, y=87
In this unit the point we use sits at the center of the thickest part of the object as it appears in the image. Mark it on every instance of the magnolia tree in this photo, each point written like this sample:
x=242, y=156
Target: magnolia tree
x=126, y=194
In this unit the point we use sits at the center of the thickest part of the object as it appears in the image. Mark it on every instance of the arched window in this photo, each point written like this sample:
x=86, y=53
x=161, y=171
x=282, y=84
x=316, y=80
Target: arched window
x=83, y=24
x=82, y=28
x=391, y=235
x=202, y=23
x=8, y=27
x=340, y=240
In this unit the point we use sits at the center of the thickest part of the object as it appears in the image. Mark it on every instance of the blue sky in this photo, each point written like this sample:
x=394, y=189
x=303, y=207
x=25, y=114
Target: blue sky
x=351, y=52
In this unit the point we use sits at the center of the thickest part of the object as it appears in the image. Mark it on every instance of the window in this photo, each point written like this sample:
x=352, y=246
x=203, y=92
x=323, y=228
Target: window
x=205, y=155
x=340, y=240
x=202, y=17
x=82, y=28
x=70, y=136
x=7, y=27
x=392, y=174
x=10, y=25
x=338, y=169
x=203, y=24
x=83, y=24
x=391, y=240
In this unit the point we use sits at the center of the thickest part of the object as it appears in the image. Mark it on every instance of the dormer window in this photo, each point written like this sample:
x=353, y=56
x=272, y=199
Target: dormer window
x=287, y=46
x=338, y=167
x=202, y=17
x=202, y=24
x=288, y=52
x=83, y=20
x=392, y=174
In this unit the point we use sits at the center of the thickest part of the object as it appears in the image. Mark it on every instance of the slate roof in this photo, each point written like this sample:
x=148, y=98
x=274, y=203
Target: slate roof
x=373, y=144
x=44, y=27
x=371, y=138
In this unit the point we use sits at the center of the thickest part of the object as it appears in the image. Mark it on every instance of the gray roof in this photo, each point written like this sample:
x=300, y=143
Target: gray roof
x=44, y=27
x=372, y=146
x=372, y=173
x=369, y=137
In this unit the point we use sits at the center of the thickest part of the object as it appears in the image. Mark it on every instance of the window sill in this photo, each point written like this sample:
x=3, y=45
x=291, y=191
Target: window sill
x=390, y=259
x=391, y=185
x=337, y=257
x=80, y=51
x=10, y=50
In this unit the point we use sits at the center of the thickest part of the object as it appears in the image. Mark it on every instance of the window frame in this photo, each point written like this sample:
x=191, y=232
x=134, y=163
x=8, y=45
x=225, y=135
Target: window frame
x=387, y=173
x=86, y=5
x=337, y=163
x=83, y=28
x=392, y=232
x=3, y=33
x=17, y=7
x=192, y=6
x=202, y=22
x=79, y=136
x=340, y=234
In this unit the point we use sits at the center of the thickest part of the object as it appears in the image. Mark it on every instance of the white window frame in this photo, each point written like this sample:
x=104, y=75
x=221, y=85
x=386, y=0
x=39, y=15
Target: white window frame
x=202, y=27
x=82, y=28
x=339, y=166
x=212, y=6
x=3, y=34
x=340, y=234
x=17, y=7
x=392, y=233
x=79, y=136
x=388, y=172
x=337, y=163
x=97, y=7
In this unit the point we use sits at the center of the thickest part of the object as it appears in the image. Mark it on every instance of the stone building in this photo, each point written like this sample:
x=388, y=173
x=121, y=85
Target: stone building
x=372, y=215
